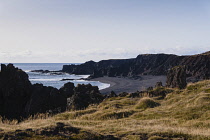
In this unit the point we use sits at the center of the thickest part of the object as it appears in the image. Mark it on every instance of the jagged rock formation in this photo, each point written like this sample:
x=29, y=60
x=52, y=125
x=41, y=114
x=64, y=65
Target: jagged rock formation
x=45, y=99
x=83, y=96
x=19, y=98
x=197, y=66
x=15, y=91
x=176, y=77
x=67, y=89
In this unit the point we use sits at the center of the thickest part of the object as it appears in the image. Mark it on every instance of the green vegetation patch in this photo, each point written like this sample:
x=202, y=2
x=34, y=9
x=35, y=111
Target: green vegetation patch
x=115, y=115
x=197, y=86
x=145, y=103
x=207, y=90
x=122, y=102
x=203, y=99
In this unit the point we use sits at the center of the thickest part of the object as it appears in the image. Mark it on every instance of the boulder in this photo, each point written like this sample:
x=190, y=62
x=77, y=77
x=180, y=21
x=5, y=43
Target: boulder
x=176, y=77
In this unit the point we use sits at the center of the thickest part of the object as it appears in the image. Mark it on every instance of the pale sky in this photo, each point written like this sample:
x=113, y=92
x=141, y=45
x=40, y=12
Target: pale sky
x=75, y=31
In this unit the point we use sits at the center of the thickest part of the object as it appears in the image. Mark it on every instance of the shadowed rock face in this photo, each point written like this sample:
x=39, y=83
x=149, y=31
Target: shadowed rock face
x=67, y=89
x=44, y=99
x=19, y=98
x=15, y=91
x=176, y=77
x=197, y=66
x=77, y=69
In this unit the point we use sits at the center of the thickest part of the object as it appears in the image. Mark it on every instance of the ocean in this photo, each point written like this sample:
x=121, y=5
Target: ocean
x=54, y=80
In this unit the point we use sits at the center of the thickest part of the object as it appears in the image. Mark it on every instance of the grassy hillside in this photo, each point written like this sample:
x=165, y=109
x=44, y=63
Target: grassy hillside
x=182, y=114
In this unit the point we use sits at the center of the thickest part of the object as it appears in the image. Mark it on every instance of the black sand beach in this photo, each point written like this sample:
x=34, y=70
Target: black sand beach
x=119, y=85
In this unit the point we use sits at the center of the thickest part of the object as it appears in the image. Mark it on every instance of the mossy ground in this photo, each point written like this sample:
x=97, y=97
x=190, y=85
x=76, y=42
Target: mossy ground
x=182, y=114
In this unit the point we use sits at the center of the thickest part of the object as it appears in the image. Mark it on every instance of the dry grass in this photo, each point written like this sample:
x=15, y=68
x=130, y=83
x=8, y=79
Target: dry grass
x=183, y=113
x=145, y=103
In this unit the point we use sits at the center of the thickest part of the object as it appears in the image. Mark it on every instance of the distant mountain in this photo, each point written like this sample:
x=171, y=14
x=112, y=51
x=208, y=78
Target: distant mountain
x=197, y=66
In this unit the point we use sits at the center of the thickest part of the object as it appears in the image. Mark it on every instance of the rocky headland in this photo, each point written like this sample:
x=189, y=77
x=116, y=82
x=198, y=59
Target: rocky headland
x=197, y=66
x=136, y=74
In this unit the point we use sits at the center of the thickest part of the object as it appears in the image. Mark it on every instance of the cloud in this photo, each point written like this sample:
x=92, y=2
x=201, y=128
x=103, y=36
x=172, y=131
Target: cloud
x=80, y=56
x=121, y=53
x=12, y=55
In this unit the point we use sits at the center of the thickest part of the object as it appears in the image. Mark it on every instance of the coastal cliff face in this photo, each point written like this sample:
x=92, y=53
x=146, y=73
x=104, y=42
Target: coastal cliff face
x=176, y=77
x=19, y=98
x=197, y=66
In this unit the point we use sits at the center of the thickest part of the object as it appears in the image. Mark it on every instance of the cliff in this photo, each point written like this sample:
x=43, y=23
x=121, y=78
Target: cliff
x=197, y=66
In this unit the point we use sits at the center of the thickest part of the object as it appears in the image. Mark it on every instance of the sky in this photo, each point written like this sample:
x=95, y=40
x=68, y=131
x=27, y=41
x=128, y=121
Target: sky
x=75, y=31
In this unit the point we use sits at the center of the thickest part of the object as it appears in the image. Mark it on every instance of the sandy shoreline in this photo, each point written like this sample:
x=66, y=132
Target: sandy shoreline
x=119, y=85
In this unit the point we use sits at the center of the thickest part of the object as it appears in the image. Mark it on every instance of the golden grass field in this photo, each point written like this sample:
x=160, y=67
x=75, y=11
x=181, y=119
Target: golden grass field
x=182, y=114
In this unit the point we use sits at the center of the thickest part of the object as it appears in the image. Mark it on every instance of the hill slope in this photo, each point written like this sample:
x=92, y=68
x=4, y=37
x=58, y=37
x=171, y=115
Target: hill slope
x=182, y=114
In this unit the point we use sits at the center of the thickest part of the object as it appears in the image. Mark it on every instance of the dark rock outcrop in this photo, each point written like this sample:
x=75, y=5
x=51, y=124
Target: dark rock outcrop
x=46, y=99
x=134, y=94
x=123, y=94
x=176, y=77
x=111, y=94
x=83, y=96
x=197, y=66
x=48, y=72
x=41, y=71
x=149, y=88
x=159, y=84
x=15, y=91
x=19, y=98
x=67, y=89
x=86, y=68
